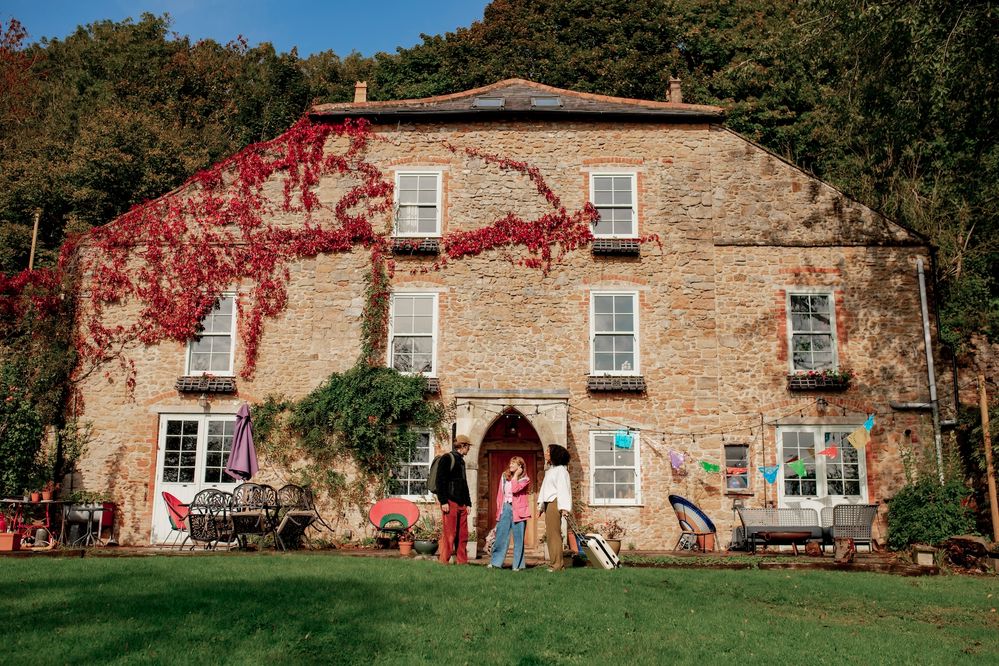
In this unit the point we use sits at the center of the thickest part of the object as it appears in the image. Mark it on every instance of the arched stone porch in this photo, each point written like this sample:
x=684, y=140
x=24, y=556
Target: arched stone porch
x=544, y=413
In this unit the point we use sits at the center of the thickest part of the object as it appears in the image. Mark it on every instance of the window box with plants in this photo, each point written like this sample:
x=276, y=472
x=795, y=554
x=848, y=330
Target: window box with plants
x=820, y=380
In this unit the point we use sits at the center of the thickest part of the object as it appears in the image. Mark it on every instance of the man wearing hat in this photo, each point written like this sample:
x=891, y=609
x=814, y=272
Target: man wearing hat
x=455, y=502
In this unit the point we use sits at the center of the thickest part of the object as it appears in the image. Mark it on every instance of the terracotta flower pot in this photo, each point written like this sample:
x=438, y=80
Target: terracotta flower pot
x=36, y=496
x=405, y=548
x=615, y=545
x=10, y=541
x=46, y=495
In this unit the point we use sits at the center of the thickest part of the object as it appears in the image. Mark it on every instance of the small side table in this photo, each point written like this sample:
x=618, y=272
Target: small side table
x=94, y=513
x=790, y=537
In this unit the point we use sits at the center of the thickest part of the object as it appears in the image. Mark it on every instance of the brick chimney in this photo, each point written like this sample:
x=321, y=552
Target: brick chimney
x=675, y=96
x=360, y=92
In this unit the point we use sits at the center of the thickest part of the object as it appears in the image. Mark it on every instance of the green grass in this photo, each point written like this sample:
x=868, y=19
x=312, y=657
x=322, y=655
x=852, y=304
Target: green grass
x=263, y=608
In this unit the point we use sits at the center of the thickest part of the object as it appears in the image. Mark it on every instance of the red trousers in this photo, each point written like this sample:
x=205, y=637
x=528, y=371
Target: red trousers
x=454, y=535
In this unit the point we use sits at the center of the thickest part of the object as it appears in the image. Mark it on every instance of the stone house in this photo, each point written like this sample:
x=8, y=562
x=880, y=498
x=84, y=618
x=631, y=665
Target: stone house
x=664, y=347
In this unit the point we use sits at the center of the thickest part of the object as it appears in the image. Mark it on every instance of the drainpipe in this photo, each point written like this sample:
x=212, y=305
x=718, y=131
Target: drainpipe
x=929, y=368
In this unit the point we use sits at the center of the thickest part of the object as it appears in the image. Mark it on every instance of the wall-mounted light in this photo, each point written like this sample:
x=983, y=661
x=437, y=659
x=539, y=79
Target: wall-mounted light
x=203, y=401
x=821, y=404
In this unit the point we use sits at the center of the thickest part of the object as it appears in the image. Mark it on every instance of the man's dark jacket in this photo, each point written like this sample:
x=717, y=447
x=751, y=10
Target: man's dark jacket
x=452, y=482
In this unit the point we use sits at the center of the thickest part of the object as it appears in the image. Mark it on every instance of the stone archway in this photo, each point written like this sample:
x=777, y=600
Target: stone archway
x=545, y=411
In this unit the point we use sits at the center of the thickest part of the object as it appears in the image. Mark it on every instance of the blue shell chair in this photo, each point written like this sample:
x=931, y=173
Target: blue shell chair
x=697, y=530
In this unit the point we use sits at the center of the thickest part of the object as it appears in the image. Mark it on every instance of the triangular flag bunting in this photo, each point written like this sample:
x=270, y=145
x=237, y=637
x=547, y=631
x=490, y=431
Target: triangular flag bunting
x=770, y=473
x=736, y=470
x=622, y=439
x=710, y=467
x=676, y=459
x=831, y=452
x=869, y=423
x=797, y=467
x=859, y=438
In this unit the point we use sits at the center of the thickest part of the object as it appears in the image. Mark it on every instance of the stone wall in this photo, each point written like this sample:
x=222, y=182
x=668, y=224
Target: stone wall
x=736, y=228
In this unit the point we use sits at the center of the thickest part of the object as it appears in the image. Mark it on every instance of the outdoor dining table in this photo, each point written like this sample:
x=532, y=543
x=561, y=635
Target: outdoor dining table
x=260, y=520
x=22, y=515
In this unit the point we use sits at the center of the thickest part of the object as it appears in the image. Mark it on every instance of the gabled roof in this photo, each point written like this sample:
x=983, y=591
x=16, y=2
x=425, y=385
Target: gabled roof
x=520, y=98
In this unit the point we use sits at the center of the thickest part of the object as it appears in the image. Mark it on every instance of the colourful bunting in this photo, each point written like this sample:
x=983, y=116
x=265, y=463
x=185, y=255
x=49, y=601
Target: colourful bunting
x=859, y=438
x=869, y=423
x=797, y=467
x=676, y=459
x=710, y=467
x=770, y=473
x=622, y=439
x=831, y=452
x=736, y=470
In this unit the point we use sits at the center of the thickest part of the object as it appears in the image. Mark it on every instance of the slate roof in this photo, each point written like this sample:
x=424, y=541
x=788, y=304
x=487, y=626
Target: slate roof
x=516, y=95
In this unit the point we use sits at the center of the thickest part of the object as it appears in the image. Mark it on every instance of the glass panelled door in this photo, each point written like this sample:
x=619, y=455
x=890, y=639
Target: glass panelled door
x=192, y=453
x=833, y=471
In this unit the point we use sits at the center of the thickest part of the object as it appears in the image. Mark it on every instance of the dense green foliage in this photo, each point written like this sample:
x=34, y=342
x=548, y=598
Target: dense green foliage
x=368, y=415
x=891, y=101
x=36, y=361
x=926, y=512
x=20, y=438
x=307, y=608
x=369, y=411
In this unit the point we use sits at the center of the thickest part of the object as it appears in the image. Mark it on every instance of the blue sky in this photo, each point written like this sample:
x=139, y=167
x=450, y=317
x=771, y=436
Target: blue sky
x=340, y=25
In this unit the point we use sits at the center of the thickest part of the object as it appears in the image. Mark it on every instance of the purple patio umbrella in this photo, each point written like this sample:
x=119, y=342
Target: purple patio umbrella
x=242, y=463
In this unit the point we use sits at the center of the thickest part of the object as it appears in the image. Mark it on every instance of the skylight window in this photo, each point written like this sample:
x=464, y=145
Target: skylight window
x=488, y=103
x=546, y=102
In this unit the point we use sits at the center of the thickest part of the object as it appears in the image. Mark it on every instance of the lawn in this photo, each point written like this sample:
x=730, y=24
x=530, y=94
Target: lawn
x=259, y=608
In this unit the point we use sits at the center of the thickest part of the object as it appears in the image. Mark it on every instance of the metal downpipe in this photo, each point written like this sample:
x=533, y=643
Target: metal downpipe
x=929, y=368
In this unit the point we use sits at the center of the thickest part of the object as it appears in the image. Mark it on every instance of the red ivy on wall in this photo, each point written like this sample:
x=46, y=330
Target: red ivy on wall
x=227, y=227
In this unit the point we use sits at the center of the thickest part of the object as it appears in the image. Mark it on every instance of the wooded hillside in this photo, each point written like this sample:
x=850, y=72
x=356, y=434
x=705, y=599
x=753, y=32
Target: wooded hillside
x=894, y=102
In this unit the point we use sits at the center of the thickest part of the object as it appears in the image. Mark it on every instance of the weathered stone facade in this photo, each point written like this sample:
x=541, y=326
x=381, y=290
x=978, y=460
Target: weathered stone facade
x=737, y=229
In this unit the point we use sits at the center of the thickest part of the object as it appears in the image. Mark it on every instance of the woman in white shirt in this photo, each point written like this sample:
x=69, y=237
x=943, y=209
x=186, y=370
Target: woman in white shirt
x=555, y=501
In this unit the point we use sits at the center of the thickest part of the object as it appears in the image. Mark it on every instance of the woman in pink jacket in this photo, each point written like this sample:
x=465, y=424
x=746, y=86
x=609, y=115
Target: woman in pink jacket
x=512, y=512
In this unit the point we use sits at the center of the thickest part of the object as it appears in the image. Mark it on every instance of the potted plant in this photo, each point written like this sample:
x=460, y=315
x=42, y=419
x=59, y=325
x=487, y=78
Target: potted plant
x=428, y=534
x=406, y=543
x=612, y=531
x=8, y=540
x=49, y=489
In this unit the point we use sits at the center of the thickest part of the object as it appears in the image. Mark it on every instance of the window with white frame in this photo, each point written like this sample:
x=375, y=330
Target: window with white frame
x=614, y=197
x=211, y=352
x=841, y=476
x=409, y=477
x=418, y=204
x=412, y=346
x=811, y=328
x=615, y=461
x=614, y=337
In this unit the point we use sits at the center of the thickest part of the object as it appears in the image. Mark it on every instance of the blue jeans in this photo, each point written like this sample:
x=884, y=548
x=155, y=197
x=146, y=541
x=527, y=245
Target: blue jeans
x=502, y=544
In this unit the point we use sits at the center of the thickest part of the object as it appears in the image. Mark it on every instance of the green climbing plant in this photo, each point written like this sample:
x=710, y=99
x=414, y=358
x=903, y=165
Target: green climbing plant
x=369, y=416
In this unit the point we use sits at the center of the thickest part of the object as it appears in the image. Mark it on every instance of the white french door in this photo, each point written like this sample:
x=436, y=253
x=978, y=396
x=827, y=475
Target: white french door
x=191, y=454
x=828, y=480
